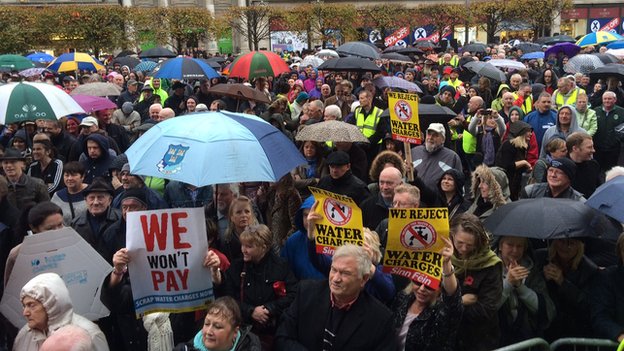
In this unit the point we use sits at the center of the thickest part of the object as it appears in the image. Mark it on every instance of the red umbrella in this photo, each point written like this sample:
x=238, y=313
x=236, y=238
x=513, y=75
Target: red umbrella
x=258, y=64
x=94, y=103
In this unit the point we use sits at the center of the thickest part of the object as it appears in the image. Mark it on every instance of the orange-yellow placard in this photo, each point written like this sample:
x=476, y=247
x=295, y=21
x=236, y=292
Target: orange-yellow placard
x=341, y=222
x=414, y=244
x=404, y=121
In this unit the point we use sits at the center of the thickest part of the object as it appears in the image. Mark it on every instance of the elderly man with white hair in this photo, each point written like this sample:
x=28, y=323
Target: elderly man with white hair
x=332, y=113
x=338, y=314
x=606, y=140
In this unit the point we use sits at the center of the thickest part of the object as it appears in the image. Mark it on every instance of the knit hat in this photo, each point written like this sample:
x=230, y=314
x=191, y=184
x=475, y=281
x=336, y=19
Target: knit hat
x=302, y=97
x=448, y=88
x=518, y=128
x=137, y=194
x=126, y=168
x=127, y=107
x=566, y=165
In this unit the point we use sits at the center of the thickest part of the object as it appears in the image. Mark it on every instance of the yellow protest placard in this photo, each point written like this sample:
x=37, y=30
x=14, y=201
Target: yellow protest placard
x=414, y=244
x=404, y=121
x=341, y=222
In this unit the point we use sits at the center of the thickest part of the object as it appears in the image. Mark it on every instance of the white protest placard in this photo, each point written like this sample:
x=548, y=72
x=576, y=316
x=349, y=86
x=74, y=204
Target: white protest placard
x=167, y=250
x=66, y=253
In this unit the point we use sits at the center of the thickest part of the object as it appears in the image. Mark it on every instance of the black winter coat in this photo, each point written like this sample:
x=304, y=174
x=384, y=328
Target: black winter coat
x=256, y=282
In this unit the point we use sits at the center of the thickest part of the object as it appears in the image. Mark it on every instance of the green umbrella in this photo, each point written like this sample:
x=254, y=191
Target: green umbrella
x=21, y=102
x=15, y=62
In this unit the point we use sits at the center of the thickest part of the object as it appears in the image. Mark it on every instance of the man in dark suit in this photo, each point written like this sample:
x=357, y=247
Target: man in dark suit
x=338, y=316
x=343, y=98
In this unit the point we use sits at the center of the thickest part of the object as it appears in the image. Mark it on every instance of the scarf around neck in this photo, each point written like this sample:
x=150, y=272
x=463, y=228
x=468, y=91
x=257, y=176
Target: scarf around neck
x=484, y=259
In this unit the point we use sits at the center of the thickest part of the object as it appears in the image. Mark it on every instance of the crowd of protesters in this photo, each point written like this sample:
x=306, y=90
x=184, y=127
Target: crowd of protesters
x=545, y=133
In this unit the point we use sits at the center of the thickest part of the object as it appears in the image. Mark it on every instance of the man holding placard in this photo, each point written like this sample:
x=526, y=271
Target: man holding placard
x=165, y=253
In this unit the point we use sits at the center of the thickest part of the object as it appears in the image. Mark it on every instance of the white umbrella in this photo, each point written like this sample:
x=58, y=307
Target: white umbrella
x=66, y=253
x=21, y=102
x=507, y=63
x=314, y=61
x=619, y=53
x=327, y=54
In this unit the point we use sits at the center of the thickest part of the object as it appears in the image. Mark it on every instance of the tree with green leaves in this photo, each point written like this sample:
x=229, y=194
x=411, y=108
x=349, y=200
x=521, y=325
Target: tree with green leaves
x=317, y=20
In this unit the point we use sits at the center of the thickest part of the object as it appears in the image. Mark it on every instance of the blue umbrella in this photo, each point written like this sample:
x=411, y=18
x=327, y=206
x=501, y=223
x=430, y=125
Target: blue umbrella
x=185, y=68
x=40, y=57
x=214, y=148
x=533, y=55
x=145, y=66
x=609, y=198
x=616, y=45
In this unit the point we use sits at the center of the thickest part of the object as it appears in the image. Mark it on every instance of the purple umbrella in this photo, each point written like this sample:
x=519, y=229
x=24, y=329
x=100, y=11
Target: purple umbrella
x=568, y=49
x=94, y=103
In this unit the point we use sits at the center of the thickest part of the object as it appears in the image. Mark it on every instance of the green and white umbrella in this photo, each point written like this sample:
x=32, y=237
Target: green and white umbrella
x=21, y=102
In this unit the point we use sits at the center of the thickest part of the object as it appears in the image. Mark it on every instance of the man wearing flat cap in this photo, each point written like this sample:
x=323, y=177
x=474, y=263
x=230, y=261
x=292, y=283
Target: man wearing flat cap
x=559, y=178
x=23, y=189
x=99, y=215
x=177, y=101
x=341, y=180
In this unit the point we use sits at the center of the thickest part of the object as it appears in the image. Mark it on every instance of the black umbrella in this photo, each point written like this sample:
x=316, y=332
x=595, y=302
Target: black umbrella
x=610, y=70
x=527, y=47
x=559, y=39
x=219, y=59
x=125, y=53
x=607, y=58
x=349, y=64
x=486, y=69
x=548, y=218
x=404, y=51
x=474, y=47
x=359, y=49
x=127, y=61
x=157, y=52
x=394, y=56
x=213, y=64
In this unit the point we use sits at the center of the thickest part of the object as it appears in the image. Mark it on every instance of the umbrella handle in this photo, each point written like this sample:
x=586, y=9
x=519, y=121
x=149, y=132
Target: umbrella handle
x=408, y=159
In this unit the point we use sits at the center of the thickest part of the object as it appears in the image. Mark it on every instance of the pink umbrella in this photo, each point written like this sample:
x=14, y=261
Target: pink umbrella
x=94, y=103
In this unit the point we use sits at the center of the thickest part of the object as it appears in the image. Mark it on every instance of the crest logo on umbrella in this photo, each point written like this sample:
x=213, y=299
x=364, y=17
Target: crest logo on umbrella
x=29, y=108
x=172, y=160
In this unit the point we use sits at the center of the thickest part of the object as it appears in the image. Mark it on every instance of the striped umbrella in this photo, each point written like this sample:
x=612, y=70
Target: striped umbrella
x=600, y=37
x=145, y=66
x=258, y=64
x=21, y=102
x=74, y=61
x=185, y=68
x=15, y=62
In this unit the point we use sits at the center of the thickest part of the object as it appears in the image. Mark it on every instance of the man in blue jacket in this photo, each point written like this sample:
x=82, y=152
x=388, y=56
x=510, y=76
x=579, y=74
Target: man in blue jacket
x=542, y=118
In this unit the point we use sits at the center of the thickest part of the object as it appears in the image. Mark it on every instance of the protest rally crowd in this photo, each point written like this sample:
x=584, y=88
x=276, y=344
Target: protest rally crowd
x=531, y=129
